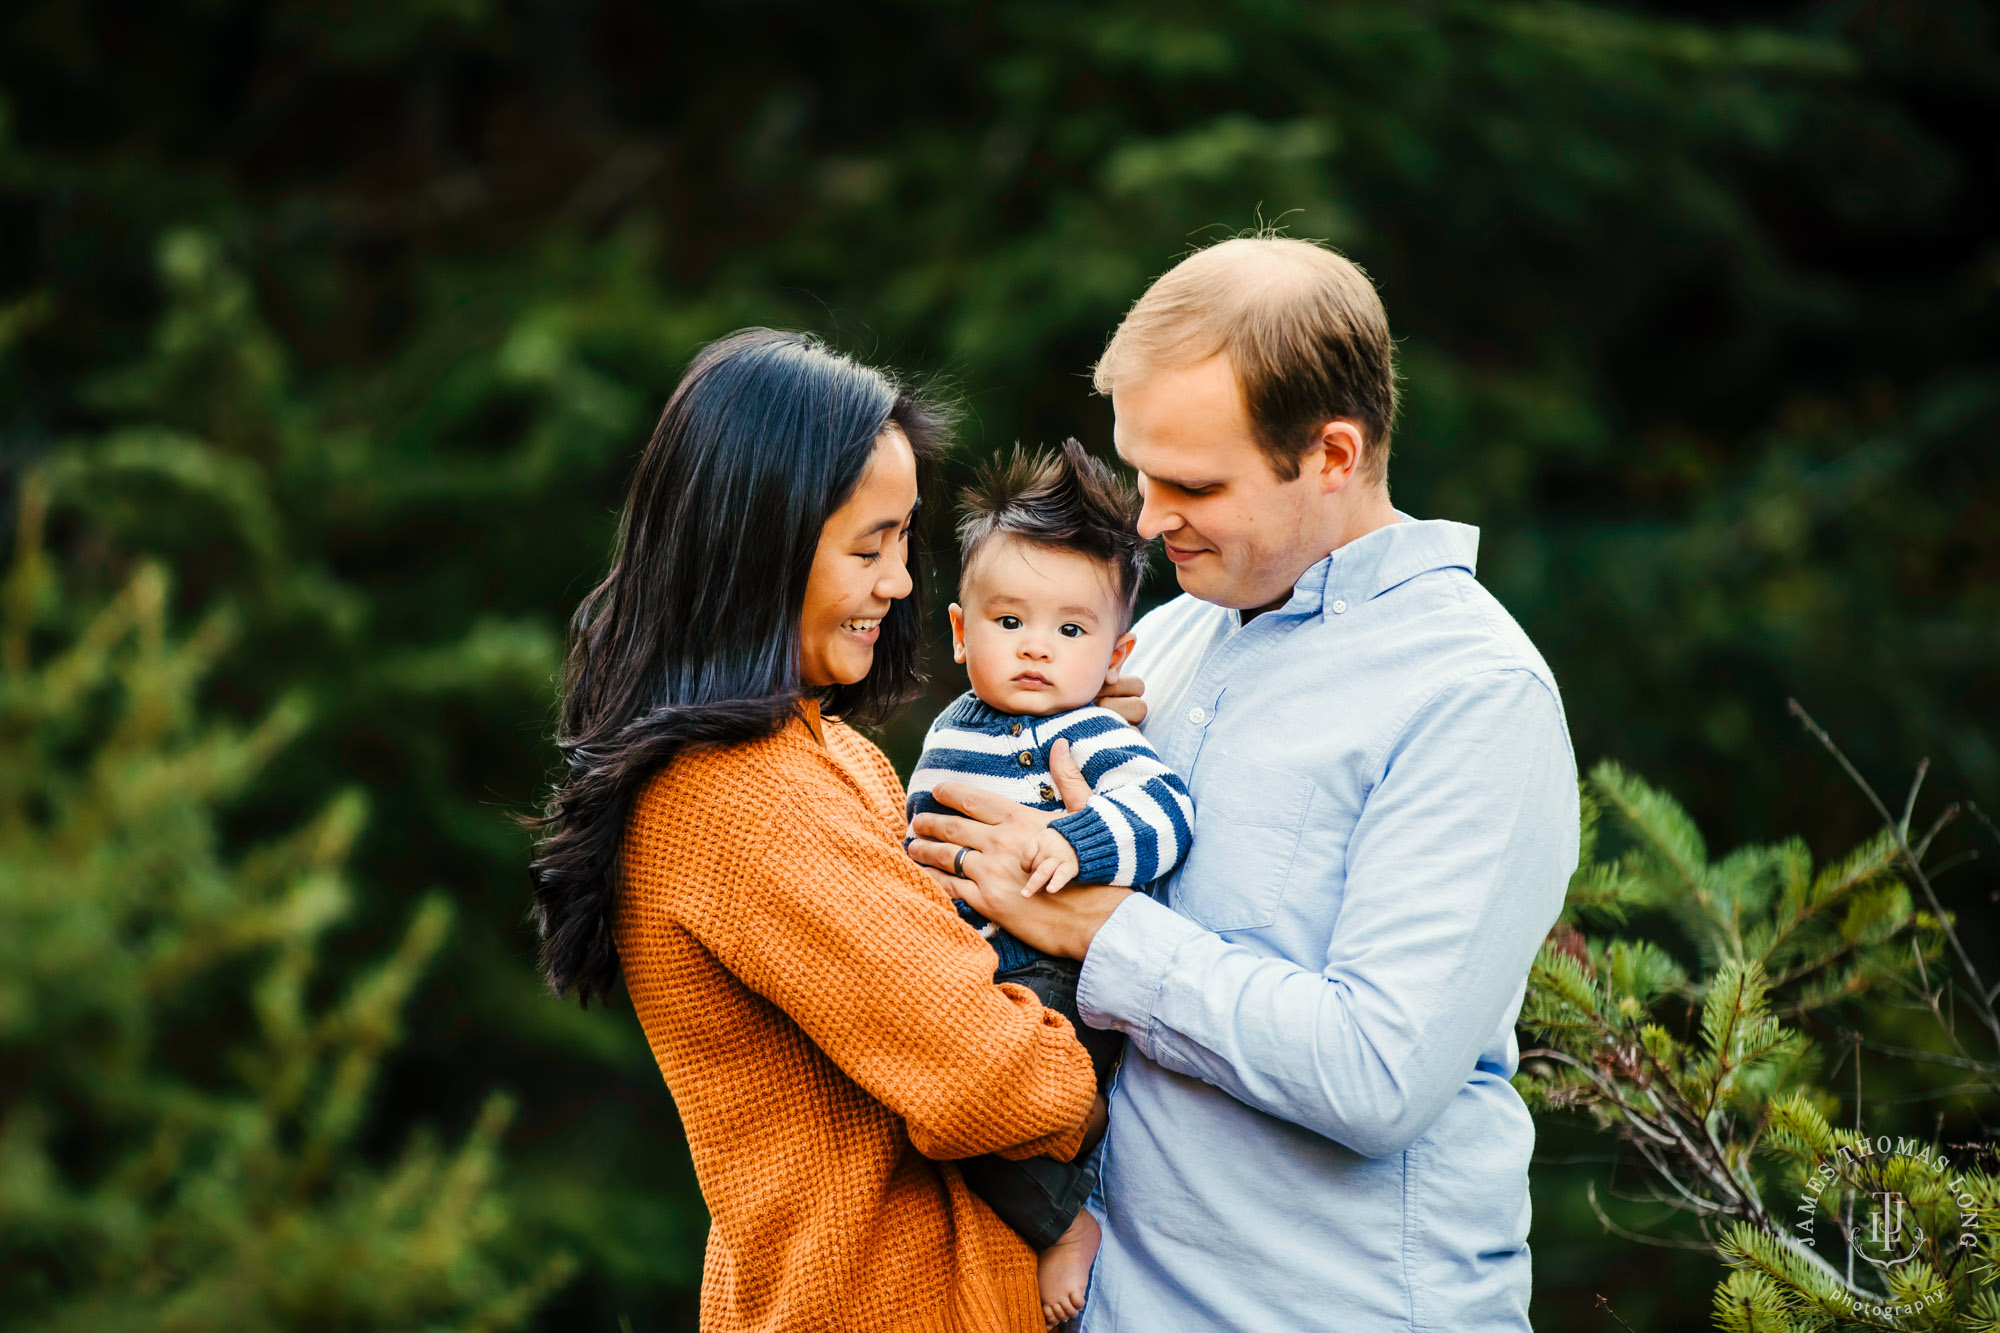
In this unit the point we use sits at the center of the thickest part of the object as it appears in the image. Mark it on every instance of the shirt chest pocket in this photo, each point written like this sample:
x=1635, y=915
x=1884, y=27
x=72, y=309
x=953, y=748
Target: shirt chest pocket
x=1247, y=824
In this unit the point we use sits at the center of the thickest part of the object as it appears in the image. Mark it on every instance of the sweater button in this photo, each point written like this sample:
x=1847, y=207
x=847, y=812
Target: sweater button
x=1048, y=792
x=1014, y=730
x=1027, y=759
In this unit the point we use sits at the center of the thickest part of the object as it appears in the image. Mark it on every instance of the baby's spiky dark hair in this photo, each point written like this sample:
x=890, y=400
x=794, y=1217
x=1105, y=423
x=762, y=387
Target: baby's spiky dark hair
x=1062, y=499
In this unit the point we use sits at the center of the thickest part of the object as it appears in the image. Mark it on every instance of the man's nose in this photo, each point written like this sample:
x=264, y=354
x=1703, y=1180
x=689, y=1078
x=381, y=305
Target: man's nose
x=1154, y=518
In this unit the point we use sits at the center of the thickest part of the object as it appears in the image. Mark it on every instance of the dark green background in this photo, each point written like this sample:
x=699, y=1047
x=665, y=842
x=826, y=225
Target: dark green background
x=358, y=312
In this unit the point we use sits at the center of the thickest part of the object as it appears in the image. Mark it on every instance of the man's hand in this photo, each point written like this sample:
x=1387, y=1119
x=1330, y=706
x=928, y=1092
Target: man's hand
x=1055, y=863
x=1001, y=832
x=1062, y=924
x=1121, y=696
x=1003, y=841
x=996, y=825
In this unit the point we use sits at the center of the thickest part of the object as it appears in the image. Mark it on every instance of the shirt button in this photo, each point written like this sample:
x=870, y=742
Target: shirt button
x=1014, y=730
x=1339, y=608
x=1048, y=792
x=1027, y=759
x=1197, y=715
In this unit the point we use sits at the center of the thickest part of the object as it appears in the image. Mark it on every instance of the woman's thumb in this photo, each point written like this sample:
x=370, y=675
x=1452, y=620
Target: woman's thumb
x=1068, y=777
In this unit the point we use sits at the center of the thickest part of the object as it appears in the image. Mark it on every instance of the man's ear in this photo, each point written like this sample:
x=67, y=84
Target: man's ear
x=957, y=633
x=1343, y=448
x=1118, y=656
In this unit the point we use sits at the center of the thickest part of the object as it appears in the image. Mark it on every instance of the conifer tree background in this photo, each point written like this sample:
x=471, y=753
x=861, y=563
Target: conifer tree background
x=1728, y=1102
x=162, y=1176
x=348, y=319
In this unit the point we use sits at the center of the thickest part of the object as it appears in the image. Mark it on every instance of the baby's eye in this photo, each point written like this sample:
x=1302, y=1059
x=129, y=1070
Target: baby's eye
x=1071, y=631
x=1009, y=622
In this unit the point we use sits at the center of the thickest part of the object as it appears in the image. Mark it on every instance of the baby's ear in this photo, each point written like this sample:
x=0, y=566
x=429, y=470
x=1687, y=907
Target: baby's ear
x=957, y=633
x=1118, y=655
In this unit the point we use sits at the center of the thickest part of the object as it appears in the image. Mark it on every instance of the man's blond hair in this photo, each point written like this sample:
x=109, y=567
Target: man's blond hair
x=1300, y=323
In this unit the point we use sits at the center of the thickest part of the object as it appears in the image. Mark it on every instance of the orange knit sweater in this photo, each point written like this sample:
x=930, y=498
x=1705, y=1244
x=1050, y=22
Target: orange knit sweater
x=833, y=1038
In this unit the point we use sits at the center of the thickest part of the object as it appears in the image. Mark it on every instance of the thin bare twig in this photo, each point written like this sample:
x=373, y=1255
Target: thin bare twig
x=1605, y=1306
x=1938, y=826
x=1914, y=862
x=1633, y=1115
x=1639, y=1238
x=1910, y=1052
x=1984, y=822
x=1953, y=862
x=1910, y=803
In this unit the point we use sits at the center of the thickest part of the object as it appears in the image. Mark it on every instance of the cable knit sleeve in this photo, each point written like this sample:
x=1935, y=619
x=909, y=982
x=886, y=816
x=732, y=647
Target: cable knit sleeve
x=813, y=905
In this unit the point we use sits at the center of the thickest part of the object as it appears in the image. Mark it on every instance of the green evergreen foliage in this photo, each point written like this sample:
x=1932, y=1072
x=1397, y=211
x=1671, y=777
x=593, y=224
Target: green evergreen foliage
x=1713, y=1077
x=180, y=1144
x=353, y=316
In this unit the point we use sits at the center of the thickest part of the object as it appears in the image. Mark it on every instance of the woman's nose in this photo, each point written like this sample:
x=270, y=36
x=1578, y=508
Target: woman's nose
x=895, y=583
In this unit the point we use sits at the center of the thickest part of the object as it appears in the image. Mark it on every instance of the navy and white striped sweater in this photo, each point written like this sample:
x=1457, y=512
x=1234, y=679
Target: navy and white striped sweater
x=1140, y=818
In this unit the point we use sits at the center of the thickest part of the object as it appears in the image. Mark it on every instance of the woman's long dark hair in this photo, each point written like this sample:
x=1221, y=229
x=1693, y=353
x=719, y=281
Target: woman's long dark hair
x=693, y=638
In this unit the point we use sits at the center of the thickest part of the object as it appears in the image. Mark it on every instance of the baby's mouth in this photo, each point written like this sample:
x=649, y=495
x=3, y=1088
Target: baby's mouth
x=1031, y=678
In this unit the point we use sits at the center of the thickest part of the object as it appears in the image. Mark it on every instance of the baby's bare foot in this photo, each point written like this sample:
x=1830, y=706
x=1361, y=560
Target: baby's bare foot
x=1063, y=1269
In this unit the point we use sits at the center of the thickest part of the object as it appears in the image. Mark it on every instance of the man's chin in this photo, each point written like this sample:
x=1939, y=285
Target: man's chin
x=1197, y=581
x=1207, y=586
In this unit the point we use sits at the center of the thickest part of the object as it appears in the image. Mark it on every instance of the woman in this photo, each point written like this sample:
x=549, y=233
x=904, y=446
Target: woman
x=828, y=1027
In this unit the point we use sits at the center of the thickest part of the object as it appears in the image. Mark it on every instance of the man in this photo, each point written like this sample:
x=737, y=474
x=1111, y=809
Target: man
x=1313, y=1127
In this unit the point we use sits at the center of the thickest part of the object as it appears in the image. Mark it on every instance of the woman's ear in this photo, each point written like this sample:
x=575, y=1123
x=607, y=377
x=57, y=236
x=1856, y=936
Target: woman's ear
x=957, y=633
x=1118, y=655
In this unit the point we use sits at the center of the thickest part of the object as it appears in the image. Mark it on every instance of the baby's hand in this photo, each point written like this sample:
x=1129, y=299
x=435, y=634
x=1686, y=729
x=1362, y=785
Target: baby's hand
x=1054, y=863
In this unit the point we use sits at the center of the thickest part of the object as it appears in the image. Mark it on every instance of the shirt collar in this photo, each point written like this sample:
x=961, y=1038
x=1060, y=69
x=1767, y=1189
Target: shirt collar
x=1371, y=565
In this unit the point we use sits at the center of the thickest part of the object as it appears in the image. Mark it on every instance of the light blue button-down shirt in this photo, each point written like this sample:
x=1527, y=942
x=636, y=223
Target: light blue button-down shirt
x=1313, y=1127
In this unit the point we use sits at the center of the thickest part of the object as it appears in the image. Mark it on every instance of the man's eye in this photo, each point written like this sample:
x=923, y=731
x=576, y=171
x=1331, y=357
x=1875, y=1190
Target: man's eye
x=1071, y=631
x=1009, y=622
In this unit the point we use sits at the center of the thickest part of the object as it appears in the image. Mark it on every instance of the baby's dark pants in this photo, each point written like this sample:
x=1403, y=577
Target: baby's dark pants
x=1039, y=1196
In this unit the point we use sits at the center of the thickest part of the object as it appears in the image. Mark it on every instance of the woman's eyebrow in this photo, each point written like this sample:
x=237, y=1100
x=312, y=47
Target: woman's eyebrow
x=888, y=523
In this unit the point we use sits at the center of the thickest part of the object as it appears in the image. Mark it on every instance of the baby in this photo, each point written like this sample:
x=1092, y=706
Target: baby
x=1049, y=574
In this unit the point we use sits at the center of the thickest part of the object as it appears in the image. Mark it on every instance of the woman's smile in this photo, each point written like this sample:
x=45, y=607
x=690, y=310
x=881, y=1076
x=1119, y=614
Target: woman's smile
x=862, y=560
